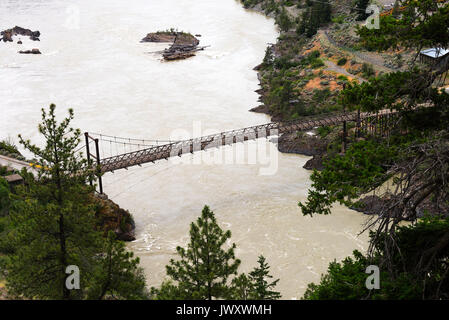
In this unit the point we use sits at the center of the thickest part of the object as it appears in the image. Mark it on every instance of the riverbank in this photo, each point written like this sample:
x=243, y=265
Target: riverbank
x=296, y=87
x=303, y=73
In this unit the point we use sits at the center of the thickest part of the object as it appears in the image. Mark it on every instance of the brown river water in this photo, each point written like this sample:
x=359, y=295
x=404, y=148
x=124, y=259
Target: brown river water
x=93, y=62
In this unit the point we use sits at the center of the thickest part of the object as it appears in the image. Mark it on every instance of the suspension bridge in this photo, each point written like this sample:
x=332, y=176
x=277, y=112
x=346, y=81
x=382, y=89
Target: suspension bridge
x=136, y=152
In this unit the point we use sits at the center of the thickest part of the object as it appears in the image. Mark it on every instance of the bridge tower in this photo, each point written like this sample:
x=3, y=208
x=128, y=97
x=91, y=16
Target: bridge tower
x=89, y=139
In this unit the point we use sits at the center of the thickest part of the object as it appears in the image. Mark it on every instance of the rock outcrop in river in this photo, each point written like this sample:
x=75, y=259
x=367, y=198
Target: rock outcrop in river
x=184, y=44
x=9, y=33
x=32, y=51
x=111, y=217
x=306, y=144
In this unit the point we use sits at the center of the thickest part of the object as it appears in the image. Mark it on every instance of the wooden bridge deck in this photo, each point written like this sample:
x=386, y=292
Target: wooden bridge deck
x=174, y=149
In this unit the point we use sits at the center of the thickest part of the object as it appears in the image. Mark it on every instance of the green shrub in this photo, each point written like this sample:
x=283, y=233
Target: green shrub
x=4, y=195
x=285, y=62
x=324, y=131
x=320, y=96
x=342, y=61
x=368, y=70
x=9, y=147
x=283, y=20
x=312, y=60
x=317, y=63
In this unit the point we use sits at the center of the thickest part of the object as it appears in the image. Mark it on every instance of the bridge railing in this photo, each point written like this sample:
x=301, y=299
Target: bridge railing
x=189, y=146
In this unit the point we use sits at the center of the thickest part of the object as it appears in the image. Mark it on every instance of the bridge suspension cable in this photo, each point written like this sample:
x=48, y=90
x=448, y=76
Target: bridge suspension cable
x=135, y=141
x=120, y=145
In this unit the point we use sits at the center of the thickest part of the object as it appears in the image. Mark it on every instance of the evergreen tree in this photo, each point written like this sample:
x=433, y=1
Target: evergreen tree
x=256, y=285
x=118, y=273
x=268, y=59
x=283, y=20
x=313, y=17
x=55, y=224
x=4, y=196
x=260, y=278
x=396, y=9
x=242, y=287
x=167, y=291
x=205, y=267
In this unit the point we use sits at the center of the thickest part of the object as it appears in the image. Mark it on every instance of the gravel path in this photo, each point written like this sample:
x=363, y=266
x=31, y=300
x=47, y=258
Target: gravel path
x=15, y=164
x=358, y=55
x=333, y=67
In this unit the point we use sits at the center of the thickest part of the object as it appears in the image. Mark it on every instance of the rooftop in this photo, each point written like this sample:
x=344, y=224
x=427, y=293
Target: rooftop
x=14, y=178
x=435, y=52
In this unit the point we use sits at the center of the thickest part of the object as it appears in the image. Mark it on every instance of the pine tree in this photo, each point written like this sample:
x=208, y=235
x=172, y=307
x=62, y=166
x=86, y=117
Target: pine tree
x=241, y=288
x=396, y=9
x=54, y=220
x=167, y=291
x=259, y=278
x=313, y=17
x=269, y=57
x=118, y=273
x=204, y=267
x=4, y=196
x=255, y=286
x=284, y=21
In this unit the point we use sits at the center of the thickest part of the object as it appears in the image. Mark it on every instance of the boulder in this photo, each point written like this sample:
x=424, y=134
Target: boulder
x=126, y=236
x=369, y=205
x=178, y=38
x=110, y=217
x=305, y=144
x=9, y=33
x=261, y=109
x=258, y=67
x=316, y=163
x=32, y=51
x=159, y=37
x=7, y=36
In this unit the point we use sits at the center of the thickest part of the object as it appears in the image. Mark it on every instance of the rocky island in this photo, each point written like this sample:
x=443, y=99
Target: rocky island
x=33, y=35
x=9, y=33
x=184, y=45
